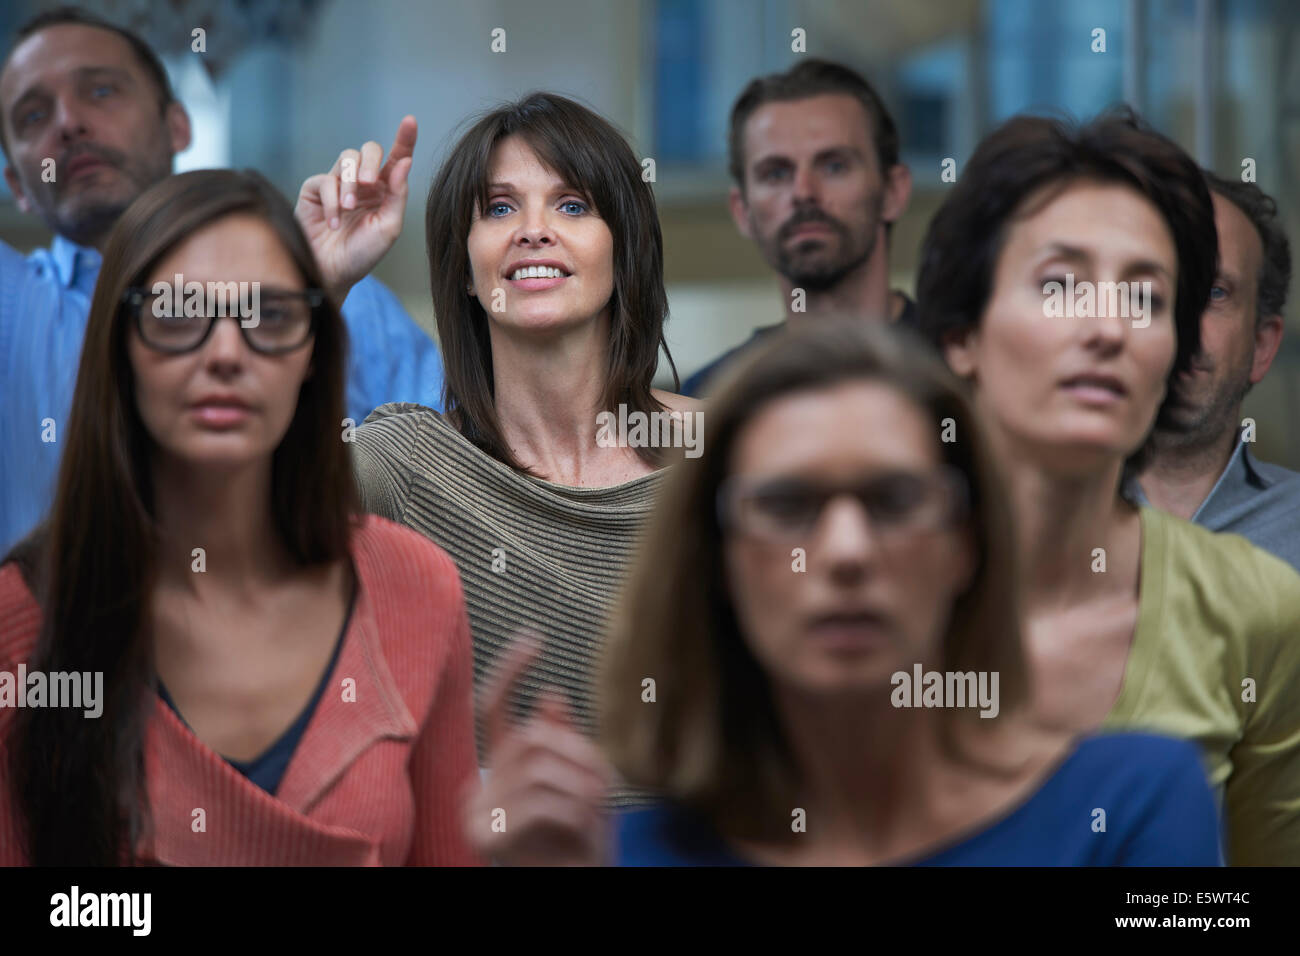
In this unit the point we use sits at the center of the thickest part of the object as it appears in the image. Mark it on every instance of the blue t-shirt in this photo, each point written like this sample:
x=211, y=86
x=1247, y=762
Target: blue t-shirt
x=1158, y=811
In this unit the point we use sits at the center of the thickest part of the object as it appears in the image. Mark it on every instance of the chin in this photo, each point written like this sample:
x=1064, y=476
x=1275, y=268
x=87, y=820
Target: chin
x=543, y=320
x=221, y=451
x=1080, y=450
x=848, y=676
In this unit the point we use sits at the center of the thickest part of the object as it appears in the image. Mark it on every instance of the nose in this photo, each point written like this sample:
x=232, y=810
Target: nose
x=535, y=229
x=806, y=188
x=846, y=544
x=225, y=351
x=71, y=121
x=1107, y=328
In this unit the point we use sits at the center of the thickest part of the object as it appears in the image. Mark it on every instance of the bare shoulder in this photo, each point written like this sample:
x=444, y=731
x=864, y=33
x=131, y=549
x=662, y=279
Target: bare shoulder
x=676, y=403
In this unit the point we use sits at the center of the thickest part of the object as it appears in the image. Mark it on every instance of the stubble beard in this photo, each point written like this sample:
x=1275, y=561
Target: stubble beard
x=821, y=276
x=87, y=219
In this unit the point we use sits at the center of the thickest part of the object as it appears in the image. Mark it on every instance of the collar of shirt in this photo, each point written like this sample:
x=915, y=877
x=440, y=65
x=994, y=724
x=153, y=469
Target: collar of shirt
x=73, y=264
x=1238, y=479
x=184, y=773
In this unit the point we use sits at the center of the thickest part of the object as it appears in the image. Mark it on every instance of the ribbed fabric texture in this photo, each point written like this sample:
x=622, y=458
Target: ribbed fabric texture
x=379, y=772
x=531, y=554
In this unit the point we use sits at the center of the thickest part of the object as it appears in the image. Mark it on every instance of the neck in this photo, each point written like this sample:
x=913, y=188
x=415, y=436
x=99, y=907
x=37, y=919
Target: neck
x=864, y=292
x=548, y=393
x=1181, y=475
x=862, y=786
x=227, y=513
x=1061, y=519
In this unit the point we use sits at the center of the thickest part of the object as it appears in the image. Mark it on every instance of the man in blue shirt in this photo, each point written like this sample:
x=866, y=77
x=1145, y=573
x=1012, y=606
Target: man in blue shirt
x=88, y=122
x=813, y=154
x=1198, y=465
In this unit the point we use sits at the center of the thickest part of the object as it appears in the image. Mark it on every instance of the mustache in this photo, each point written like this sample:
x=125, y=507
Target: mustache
x=806, y=216
x=103, y=153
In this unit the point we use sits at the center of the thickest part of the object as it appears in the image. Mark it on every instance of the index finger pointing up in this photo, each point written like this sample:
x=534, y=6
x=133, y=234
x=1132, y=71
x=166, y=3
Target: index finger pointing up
x=403, y=143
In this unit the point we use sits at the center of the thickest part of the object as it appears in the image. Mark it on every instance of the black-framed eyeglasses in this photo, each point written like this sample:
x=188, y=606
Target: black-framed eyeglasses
x=272, y=322
x=898, y=503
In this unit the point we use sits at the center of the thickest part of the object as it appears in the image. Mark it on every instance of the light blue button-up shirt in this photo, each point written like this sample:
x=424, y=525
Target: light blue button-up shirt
x=44, y=305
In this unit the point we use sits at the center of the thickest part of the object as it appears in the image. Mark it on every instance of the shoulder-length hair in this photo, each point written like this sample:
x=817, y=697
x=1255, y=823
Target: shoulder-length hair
x=712, y=740
x=591, y=156
x=93, y=563
x=1025, y=156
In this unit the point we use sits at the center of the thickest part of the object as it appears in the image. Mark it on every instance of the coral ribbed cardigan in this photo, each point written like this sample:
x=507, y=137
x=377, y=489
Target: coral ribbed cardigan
x=375, y=780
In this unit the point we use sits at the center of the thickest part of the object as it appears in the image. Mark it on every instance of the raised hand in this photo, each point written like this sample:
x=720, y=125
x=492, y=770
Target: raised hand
x=353, y=214
x=546, y=776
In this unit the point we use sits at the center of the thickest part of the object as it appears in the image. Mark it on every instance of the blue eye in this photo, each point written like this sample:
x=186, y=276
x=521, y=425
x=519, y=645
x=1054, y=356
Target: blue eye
x=102, y=86
x=31, y=116
x=493, y=207
x=1218, y=292
x=578, y=207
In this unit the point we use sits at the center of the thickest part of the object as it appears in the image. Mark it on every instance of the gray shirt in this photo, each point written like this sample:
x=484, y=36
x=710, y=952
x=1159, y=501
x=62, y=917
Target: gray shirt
x=1259, y=501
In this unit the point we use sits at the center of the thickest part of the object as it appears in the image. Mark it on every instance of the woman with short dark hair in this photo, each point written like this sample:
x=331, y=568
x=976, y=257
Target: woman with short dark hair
x=1064, y=278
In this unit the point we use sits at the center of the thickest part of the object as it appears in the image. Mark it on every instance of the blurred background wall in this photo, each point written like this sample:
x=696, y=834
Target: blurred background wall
x=284, y=85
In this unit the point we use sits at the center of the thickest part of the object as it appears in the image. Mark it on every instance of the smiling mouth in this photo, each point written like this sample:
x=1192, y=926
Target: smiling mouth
x=538, y=272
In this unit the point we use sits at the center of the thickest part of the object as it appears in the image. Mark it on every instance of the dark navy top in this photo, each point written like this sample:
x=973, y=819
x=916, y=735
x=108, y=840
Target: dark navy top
x=1159, y=811
x=268, y=770
x=697, y=384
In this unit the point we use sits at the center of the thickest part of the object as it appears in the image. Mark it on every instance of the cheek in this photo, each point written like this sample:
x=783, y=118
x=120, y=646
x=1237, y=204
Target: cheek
x=478, y=247
x=599, y=252
x=285, y=382
x=1156, y=354
x=761, y=583
x=1016, y=349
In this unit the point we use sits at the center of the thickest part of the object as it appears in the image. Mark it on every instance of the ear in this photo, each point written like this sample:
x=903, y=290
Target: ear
x=178, y=127
x=16, y=187
x=959, y=348
x=740, y=212
x=898, y=193
x=1268, y=339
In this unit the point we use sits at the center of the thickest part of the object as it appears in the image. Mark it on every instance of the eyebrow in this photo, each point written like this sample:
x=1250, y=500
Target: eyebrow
x=557, y=187
x=1063, y=250
x=81, y=72
x=830, y=151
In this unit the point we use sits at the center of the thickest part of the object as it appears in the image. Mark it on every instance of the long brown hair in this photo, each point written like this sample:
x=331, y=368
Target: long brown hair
x=712, y=740
x=92, y=564
x=591, y=156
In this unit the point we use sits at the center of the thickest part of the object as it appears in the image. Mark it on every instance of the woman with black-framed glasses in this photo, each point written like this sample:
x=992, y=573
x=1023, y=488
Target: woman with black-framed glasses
x=268, y=677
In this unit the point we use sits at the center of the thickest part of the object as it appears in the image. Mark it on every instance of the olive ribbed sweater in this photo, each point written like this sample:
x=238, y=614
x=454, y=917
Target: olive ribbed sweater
x=531, y=554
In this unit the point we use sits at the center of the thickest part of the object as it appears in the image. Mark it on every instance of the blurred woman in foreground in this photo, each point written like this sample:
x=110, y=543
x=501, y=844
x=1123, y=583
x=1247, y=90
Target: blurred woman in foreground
x=842, y=535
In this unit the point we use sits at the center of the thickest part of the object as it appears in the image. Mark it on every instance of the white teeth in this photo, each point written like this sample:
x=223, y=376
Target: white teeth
x=537, y=272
